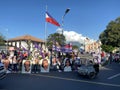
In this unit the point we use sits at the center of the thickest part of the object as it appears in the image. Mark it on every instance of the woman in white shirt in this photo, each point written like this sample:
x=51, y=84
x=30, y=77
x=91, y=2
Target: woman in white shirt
x=67, y=67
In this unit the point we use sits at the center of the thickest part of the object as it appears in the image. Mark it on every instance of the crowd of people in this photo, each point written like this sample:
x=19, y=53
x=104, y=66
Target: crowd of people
x=110, y=57
x=20, y=61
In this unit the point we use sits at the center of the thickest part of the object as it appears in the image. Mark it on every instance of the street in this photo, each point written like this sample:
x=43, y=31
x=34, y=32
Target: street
x=108, y=78
x=59, y=45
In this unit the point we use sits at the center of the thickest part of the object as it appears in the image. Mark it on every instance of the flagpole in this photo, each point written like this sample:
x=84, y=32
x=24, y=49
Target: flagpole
x=45, y=30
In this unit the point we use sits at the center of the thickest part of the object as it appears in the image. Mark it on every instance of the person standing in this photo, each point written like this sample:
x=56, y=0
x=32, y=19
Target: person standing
x=110, y=59
x=35, y=65
x=14, y=60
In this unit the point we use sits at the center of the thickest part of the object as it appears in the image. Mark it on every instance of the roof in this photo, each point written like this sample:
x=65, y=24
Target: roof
x=26, y=37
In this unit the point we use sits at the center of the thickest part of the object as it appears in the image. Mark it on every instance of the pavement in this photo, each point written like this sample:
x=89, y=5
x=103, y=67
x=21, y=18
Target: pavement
x=108, y=78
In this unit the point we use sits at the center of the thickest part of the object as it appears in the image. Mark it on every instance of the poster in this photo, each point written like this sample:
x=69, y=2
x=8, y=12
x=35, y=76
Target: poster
x=26, y=66
x=45, y=65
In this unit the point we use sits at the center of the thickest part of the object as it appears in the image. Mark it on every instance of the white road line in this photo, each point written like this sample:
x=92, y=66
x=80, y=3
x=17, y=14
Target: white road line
x=116, y=75
x=84, y=81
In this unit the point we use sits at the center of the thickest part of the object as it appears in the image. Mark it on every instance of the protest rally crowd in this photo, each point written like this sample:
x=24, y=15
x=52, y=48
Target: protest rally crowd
x=16, y=61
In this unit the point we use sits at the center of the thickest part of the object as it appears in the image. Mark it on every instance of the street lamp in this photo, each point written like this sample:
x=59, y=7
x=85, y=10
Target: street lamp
x=67, y=10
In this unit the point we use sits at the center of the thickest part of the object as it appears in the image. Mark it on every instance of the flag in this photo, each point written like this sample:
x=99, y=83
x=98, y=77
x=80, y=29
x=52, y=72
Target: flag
x=51, y=20
x=68, y=47
x=36, y=45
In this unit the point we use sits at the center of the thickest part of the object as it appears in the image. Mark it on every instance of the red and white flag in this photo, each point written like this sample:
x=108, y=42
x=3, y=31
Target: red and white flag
x=51, y=20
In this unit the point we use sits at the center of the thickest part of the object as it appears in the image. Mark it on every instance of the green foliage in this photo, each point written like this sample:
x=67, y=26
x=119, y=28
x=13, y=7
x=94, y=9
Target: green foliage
x=29, y=57
x=75, y=47
x=2, y=39
x=107, y=48
x=56, y=37
x=111, y=35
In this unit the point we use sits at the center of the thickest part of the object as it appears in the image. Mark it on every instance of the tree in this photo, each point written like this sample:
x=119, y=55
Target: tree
x=107, y=48
x=110, y=37
x=75, y=47
x=2, y=39
x=55, y=38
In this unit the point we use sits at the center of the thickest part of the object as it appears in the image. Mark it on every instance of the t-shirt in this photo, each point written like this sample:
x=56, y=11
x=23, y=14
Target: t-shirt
x=67, y=69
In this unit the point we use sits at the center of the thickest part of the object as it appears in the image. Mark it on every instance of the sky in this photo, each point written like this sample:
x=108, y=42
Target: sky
x=86, y=18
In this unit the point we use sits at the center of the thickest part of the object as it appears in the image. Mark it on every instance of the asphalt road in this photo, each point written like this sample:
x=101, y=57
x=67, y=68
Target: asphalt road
x=107, y=79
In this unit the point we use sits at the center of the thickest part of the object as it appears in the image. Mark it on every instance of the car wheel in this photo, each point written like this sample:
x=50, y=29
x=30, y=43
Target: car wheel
x=92, y=75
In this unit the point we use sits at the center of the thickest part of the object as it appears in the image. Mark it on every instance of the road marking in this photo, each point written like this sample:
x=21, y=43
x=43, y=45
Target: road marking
x=69, y=79
x=104, y=68
x=116, y=75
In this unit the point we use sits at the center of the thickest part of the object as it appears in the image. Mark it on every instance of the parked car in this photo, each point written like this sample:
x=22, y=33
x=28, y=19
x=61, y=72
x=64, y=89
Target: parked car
x=2, y=71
